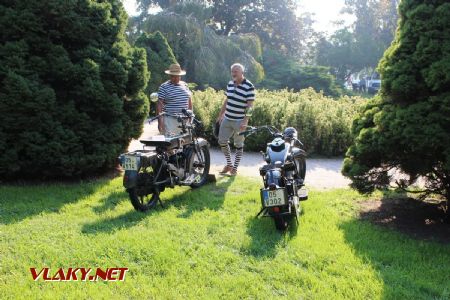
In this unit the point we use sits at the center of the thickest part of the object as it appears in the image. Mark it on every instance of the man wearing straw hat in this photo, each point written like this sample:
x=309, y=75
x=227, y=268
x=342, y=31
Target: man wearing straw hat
x=173, y=96
x=234, y=115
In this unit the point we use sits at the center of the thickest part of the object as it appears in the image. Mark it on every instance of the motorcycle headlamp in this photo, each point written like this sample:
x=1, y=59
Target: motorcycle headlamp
x=290, y=133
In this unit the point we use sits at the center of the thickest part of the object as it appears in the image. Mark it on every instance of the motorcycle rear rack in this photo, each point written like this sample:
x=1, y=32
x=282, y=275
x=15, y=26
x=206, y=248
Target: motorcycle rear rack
x=264, y=212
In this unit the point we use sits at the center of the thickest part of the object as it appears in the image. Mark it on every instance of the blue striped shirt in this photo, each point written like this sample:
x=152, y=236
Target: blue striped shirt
x=237, y=98
x=174, y=97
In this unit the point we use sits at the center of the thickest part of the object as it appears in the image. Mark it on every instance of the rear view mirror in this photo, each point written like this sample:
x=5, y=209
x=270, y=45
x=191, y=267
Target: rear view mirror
x=154, y=97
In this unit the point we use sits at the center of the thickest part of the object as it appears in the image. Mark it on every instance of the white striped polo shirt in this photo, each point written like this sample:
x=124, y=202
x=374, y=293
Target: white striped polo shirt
x=237, y=97
x=175, y=96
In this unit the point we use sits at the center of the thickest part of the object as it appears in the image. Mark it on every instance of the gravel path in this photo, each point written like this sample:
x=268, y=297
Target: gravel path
x=322, y=173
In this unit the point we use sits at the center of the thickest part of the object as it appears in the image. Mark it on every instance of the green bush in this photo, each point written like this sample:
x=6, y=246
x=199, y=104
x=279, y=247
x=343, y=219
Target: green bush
x=323, y=123
x=284, y=72
x=407, y=128
x=71, y=87
x=159, y=58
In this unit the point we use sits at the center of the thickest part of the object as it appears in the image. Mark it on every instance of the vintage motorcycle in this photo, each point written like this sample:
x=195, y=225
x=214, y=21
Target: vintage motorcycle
x=182, y=159
x=283, y=175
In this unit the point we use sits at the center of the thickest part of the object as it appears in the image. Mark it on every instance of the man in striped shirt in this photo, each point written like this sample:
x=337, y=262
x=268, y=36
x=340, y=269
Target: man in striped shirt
x=173, y=96
x=234, y=115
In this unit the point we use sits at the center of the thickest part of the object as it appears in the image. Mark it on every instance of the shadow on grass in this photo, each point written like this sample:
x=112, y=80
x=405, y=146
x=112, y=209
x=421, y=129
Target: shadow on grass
x=266, y=239
x=123, y=221
x=423, y=220
x=210, y=196
x=18, y=202
x=386, y=236
x=111, y=201
x=409, y=269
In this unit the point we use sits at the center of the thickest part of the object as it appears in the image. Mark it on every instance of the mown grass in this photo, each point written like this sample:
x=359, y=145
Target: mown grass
x=206, y=244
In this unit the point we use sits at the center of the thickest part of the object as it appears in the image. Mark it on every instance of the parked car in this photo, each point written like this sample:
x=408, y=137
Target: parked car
x=355, y=83
x=374, y=83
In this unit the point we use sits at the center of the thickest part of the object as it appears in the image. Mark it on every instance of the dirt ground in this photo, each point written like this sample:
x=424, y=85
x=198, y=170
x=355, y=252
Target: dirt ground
x=422, y=220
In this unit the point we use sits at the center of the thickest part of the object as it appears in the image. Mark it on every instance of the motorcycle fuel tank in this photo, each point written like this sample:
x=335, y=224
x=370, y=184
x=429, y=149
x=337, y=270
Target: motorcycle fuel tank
x=278, y=150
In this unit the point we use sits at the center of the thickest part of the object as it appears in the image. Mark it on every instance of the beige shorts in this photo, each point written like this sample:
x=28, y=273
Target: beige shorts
x=171, y=126
x=230, y=128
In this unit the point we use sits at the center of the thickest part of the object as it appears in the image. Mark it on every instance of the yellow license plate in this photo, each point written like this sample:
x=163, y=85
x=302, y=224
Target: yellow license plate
x=130, y=163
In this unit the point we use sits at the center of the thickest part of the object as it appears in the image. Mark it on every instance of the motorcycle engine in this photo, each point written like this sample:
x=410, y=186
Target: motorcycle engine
x=176, y=165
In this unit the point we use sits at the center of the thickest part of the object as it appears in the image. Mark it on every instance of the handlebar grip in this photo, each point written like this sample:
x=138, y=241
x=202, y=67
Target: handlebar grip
x=153, y=119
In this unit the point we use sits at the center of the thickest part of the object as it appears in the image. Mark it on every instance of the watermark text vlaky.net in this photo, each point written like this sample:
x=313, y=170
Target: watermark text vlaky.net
x=79, y=274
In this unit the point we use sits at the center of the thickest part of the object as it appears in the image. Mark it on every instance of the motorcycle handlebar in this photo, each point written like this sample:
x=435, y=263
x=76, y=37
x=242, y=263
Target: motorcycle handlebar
x=246, y=132
x=185, y=114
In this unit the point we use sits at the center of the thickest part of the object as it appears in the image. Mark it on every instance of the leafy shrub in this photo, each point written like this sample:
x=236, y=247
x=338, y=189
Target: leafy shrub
x=323, y=123
x=407, y=127
x=159, y=58
x=283, y=72
x=71, y=87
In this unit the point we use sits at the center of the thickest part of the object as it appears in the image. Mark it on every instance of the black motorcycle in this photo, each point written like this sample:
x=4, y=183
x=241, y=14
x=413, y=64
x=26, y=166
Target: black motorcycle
x=283, y=175
x=182, y=159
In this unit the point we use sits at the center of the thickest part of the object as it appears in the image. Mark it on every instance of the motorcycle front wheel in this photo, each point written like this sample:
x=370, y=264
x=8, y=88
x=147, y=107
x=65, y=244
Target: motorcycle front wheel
x=300, y=164
x=199, y=162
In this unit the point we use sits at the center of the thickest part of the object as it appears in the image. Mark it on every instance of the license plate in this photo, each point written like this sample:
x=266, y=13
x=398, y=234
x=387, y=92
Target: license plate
x=274, y=197
x=130, y=163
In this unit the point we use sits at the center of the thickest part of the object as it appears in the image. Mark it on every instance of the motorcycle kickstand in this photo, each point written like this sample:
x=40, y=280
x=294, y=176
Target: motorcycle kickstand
x=159, y=201
x=262, y=209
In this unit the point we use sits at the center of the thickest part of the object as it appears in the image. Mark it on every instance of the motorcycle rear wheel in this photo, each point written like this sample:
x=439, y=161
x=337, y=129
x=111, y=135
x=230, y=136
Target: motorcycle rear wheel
x=142, y=203
x=281, y=223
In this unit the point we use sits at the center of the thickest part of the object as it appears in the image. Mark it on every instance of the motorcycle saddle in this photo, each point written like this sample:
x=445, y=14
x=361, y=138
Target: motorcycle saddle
x=166, y=142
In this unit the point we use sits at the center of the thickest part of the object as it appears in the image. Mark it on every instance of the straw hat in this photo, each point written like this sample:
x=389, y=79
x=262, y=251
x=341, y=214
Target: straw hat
x=175, y=69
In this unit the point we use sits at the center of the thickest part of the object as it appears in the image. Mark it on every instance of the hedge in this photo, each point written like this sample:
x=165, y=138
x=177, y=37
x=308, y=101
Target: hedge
x=324, y=124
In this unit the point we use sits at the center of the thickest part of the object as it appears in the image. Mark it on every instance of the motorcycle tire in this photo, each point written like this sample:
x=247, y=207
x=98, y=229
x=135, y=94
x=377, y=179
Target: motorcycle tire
x=301, y=167
x=207, y=161
x=281, y=223
x=140, y=203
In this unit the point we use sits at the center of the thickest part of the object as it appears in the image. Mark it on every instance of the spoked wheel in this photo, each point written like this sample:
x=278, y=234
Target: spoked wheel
x=280, y=222
x=199, y=163
x=143, y=203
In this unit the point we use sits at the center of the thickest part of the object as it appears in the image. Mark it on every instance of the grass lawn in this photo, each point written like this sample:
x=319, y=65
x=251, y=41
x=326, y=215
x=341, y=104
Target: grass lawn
x=207, y=244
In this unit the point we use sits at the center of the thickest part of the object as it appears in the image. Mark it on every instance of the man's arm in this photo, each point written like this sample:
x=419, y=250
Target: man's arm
x=244, y=122
x=162, y=95
x=222, y=110
x=159, y=108
x=190, y=103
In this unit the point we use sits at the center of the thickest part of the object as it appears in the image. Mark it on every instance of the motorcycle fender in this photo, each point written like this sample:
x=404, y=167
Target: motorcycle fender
x=201, y=142
x=297, y=152
x=130, y=179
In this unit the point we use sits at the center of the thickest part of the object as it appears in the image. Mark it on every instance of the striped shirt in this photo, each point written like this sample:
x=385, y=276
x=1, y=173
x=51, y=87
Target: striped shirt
x=237, y=99
x=174, y=97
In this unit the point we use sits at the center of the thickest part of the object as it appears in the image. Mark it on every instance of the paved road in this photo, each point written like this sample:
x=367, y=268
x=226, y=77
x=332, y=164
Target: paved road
x=322, y=173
